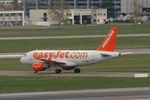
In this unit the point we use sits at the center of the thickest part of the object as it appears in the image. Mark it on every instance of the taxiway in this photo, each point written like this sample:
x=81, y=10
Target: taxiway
x=99, y=94
x=70, y=74
x=72, y=37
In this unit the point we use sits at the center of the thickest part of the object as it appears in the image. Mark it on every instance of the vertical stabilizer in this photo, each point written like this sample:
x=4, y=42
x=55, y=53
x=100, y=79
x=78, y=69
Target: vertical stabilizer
x=109, y=42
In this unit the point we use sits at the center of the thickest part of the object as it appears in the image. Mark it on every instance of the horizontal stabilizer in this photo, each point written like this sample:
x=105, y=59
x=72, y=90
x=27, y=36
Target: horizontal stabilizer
x=125, y=53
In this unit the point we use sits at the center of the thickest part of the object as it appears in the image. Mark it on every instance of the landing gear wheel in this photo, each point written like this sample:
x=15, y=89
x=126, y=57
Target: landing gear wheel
x=35, y=71
x=58, y=71
x=76, y=70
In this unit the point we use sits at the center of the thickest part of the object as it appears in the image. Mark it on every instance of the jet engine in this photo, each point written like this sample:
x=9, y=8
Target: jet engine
x=39, y=66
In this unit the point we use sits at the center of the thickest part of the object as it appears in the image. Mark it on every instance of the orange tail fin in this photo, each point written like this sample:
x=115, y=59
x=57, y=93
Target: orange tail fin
x=109, y=42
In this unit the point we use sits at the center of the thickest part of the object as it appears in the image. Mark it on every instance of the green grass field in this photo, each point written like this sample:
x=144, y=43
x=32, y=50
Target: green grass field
x=29, y=84
x=134, y=63
x=131, y=63
x=89, y=44
x=74, y=30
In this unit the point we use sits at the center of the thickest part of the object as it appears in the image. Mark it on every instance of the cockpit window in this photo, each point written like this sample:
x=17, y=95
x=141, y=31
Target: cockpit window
x=25, y=55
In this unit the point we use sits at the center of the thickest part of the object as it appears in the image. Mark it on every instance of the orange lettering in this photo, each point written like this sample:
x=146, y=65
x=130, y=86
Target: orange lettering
x=67, y=54
x=40, y=55
x=61, y=55
x=35, y=55
x=77, y=55
x=45, y=55
x=72, y=55
x=50, y=55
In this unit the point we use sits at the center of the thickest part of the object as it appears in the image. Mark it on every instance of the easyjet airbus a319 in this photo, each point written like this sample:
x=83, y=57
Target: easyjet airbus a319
x=71, y=59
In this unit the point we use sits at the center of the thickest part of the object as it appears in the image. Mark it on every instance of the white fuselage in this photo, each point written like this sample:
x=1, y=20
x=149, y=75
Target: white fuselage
x=69, y=57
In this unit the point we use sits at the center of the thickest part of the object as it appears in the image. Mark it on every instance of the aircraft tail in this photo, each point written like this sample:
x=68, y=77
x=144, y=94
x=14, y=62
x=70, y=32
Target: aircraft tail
x=109, y=42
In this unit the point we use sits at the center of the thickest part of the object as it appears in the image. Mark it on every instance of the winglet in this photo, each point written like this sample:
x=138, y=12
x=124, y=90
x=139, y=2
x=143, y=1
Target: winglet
x=109, y=42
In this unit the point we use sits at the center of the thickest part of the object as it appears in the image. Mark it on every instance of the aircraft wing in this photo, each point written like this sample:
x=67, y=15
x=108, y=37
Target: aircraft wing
x=59, y=62
x=53, y=61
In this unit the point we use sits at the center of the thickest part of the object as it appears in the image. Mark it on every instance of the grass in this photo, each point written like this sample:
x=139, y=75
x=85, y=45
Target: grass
x=52, y=44
x=13, y=64
x=131, y=63
x=29, y=84
x=74, y=30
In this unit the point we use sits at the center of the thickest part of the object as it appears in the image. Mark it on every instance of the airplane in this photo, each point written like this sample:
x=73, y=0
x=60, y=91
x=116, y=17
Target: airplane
x=70, y=59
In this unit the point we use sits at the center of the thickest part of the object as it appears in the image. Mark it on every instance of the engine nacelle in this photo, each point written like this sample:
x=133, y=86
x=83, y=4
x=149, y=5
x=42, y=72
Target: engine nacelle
x=39, y=66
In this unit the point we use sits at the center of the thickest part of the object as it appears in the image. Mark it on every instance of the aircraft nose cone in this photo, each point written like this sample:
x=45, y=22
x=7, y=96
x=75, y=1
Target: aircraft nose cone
x=22, y=60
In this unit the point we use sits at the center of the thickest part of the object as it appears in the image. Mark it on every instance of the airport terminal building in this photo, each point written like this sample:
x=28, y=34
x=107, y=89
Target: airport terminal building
x=9, y=16
x=74, y=16
x=127, y=6
x=12, y=18
x=81, y=11
x=113, y=6
x=44, y=4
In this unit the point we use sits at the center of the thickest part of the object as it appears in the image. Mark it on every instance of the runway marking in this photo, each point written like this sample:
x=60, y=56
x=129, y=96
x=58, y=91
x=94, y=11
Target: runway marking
x=141, y=99
x=72, y=37
x=78, y=91
x=68, y=74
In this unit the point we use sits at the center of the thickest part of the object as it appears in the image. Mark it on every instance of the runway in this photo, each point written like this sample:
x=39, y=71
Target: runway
x=72, y=37
x=98, y=94
x=71, y=74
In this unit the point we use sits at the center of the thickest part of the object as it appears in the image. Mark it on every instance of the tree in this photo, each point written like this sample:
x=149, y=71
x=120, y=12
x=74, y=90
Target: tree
x=137, y=10
x=1, y=6
x=16, y=5
x=56, y=11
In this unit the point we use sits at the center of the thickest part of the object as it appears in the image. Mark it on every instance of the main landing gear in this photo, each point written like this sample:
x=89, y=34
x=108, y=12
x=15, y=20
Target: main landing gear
x=77, y=70
x=58, y=71
x=35, y=71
